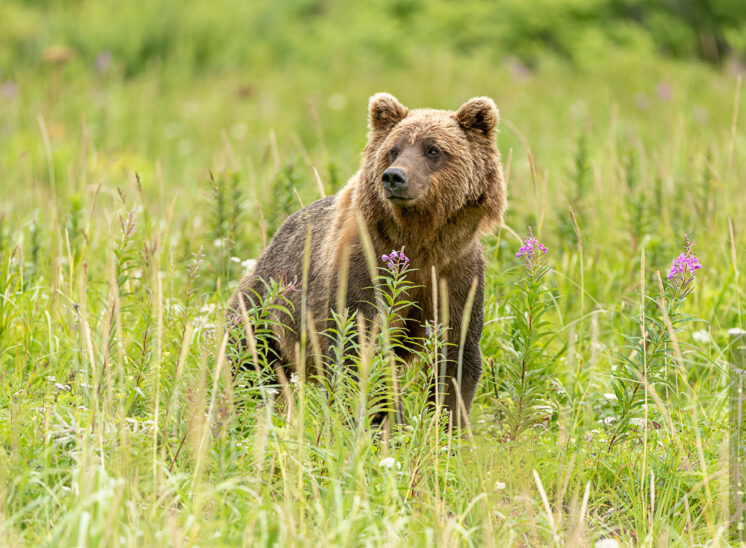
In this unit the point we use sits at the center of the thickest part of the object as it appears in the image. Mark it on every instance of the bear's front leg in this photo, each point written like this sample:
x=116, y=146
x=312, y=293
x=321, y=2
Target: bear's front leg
x=461, y=381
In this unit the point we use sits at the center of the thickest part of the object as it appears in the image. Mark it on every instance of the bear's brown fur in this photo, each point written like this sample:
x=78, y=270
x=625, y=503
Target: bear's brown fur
x=453, y=193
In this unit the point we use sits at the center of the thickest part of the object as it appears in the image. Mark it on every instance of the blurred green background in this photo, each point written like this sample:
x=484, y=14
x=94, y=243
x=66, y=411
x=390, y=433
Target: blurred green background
x=208, y=35
x=171, y=90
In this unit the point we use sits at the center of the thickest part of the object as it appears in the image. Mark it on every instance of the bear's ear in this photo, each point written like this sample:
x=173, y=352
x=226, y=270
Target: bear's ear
x=478, y=114
x=385, y=112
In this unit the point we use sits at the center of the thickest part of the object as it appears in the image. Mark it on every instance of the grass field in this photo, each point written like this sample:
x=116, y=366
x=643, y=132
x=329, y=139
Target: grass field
x=133, y=200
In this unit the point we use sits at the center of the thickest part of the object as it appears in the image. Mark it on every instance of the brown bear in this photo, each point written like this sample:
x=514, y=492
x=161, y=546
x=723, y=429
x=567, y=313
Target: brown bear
x=430, y=182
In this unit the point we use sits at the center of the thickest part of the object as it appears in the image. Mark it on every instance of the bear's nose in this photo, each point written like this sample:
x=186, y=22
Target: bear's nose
x=394, y=180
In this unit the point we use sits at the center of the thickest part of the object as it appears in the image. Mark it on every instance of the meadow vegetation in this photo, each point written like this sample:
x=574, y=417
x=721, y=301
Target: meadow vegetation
x=148, y=152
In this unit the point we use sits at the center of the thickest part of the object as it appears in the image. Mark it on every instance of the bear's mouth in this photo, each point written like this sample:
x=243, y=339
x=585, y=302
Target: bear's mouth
x=400, y=201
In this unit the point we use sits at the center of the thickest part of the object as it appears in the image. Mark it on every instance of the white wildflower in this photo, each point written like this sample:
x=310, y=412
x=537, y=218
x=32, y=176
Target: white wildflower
x=609, y=396
x=592, y=434
x=607, y=543
x=702, y=336
x=389, y=462
x=61, y=387
x=609, y=420
x=499, y=486
x=293, y=378
x=637, y=421
x=248, y=266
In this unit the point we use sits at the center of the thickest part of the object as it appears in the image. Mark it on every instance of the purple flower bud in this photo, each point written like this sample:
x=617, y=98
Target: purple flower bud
x=395, y=260
x=532, y=246
x=685, y=264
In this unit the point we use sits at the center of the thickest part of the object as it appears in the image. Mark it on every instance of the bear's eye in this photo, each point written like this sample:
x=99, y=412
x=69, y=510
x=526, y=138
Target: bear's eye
x=433, y=151
x=393, y=153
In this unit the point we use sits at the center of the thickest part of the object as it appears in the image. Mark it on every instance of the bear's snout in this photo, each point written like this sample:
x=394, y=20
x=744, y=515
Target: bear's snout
x=395, y=181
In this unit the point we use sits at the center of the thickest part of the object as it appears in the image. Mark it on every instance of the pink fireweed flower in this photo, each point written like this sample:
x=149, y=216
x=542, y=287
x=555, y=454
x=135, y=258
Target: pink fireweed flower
x=396, y=260
x=685, y=264
x=534, y=255
x=531, y=246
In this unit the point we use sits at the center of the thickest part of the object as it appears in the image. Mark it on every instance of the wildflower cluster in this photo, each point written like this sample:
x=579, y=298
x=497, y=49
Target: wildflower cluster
x=533, y=253
x=396, y=260
x=685, y=264
x=526, y=368
x=646, y=358
x=531, y=246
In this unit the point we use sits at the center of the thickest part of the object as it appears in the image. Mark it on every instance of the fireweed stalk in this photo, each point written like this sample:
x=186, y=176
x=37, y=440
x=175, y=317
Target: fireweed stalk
x=527, y=369
x=395, y=289
x=645, y=358
x=395, y=300
x=361, y=383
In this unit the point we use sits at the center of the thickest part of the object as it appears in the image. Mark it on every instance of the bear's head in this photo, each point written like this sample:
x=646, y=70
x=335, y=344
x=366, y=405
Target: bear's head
x=432, y=165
